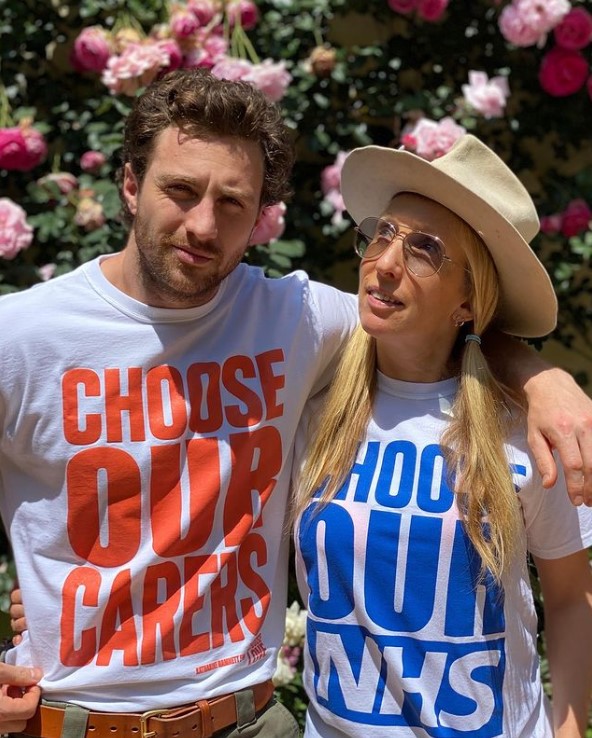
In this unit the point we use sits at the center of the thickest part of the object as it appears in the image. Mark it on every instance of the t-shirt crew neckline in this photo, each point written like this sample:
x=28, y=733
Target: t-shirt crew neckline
x=417, y=390
x=140, y=311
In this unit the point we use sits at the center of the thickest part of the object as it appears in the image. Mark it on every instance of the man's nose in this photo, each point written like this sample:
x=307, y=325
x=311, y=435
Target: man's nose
x=201, y=220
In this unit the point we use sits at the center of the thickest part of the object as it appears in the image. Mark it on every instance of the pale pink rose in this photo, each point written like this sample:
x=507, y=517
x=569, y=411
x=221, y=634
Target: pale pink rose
x=402, y=6
x=64, y=181
x=243, y=12
x=21, y=148
x=231, y=68
x=576, y=218
x=204, y=10
x=173, y=50
x=90, y=161
x=331, y=175
x=433, y=139
x=551, y=224
x=514, y=28
x=527, y=22
x=271, y=225
x=431, y=10
x=135, y=67
x=486, y=96
x=92, y=49
x=15, y=233
x=270, y=77
x=563, y=72
x=183, y=23
x=334, y=199
x=89, y=214
x=210, y=49
x=575, y=30
x=46, y=272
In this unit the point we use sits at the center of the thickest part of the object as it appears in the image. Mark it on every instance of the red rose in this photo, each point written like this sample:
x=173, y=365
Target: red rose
x=575, y=30
x=576, y=218
x=563, y=72
x=431, y=10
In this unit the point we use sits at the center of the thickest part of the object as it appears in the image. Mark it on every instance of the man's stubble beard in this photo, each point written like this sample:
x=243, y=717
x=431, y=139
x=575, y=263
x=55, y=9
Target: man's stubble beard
x=161, y=280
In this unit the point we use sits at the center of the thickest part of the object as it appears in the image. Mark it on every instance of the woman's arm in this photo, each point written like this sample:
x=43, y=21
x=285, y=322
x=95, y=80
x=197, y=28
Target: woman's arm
x=567, y=600
x=559, y=412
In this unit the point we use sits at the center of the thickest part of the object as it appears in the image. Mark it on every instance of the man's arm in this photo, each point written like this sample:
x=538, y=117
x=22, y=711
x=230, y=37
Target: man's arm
x=19, y=696
x=559, y=413
x=567, y=598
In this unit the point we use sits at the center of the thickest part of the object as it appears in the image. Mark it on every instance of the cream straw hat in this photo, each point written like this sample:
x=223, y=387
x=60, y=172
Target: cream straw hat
x=473, y=182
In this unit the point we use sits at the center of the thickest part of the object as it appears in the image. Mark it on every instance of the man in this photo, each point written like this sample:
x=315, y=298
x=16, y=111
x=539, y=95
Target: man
x=145, y=460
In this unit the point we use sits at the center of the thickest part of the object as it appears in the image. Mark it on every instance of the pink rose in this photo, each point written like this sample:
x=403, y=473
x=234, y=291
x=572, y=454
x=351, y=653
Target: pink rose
x=486, y=96
x=244, y=12
x=173, y=50
x=92, y=49
x=402, y=6
x=575, y=30
x=135, y=67
x=334, y=201
x=527, y=22
x=563, y=72
x=46, y=271
x=90, y=161
x=431, y=10
x=203, y=10
x=183, y=23
x=21, y=148
x=576, y=218
x=231, y=68
x=270, y=77
x=64, y=181
x=433, y=139
x=514, y=28
x=271, y=224
x=551, y=224
x=15, y=233
x=331, y=175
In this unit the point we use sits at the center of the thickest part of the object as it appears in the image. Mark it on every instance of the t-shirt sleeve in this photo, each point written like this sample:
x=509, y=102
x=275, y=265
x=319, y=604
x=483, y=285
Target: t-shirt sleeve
x=554, y=527
x=335, y=315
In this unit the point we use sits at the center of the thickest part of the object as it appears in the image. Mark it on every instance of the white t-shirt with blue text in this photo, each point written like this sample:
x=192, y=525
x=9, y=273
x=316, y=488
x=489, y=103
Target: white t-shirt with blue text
x=402, y=639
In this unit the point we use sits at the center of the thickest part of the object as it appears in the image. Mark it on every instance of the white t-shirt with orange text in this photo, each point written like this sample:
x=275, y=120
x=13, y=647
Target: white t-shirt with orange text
x=144, y=470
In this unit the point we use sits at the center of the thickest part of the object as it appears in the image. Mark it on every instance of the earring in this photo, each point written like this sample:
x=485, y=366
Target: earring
x=459, y=323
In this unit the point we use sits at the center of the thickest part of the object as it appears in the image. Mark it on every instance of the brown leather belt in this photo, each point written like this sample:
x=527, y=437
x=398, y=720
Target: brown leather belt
x=201, y=719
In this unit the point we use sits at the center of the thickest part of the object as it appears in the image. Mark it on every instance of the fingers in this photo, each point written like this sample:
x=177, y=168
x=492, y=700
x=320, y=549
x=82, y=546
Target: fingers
x=19, y=624
x=544, y=459
x=16, y=609
x=19, y=676
x=574, y=447
x=16, y=710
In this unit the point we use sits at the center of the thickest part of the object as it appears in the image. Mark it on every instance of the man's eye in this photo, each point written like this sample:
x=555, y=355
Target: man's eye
x=178, y=189
x=233, y=201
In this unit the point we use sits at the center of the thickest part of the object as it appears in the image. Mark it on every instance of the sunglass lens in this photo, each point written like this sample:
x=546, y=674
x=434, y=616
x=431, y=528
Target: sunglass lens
x=424, y=253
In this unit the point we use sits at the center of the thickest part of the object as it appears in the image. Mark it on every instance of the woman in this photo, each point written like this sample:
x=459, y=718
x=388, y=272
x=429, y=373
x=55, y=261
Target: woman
x=418, y=498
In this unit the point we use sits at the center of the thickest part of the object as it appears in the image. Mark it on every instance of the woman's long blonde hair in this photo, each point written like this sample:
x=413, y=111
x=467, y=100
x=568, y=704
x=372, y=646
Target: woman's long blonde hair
x=473, y=442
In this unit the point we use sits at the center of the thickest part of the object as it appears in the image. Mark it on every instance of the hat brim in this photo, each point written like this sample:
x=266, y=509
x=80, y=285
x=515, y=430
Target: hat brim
x=373, y=175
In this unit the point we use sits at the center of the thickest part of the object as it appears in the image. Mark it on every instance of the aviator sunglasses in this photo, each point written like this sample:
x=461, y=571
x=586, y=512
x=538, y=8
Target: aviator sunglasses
x=423, y=254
